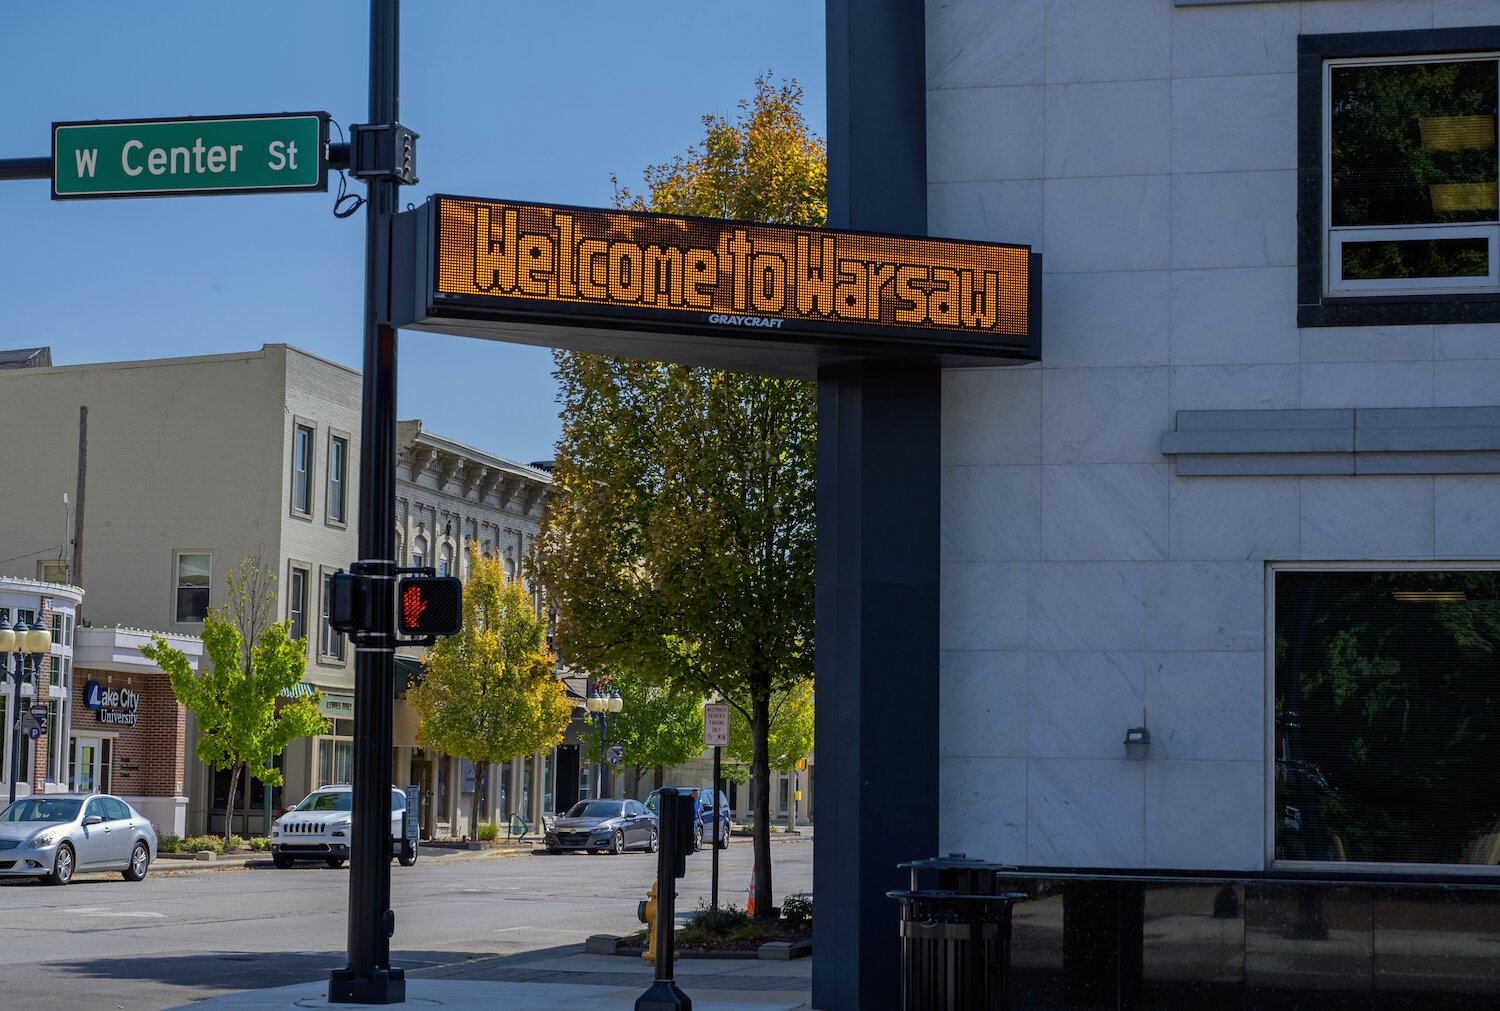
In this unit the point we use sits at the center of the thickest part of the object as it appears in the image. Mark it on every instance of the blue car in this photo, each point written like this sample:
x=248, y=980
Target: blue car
x=704, y=830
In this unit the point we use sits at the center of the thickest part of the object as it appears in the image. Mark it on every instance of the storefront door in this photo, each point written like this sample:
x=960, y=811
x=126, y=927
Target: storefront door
x=87, y=752
x=422, y=776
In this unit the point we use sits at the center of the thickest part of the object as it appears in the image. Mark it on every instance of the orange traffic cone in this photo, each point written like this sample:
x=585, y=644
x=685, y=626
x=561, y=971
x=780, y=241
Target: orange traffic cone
x=750, y=902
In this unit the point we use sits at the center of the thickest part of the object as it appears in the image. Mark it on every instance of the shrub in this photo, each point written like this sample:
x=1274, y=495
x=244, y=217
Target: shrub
x=753, y=932
x=169, y=843
x=259, y=843
x=195, y=843
x=234, y=842
x=487, y=832
x=713, y=922
x=797, y=909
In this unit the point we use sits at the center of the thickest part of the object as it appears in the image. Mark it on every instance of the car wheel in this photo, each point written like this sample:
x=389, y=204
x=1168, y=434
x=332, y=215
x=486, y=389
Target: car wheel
x=281, y=861
x=697, y=837
x=140, y=860
x=408, y=854
x=617, y=843
x=655, y=843
x=335, y=862
x=63, y=866
x=723, y=837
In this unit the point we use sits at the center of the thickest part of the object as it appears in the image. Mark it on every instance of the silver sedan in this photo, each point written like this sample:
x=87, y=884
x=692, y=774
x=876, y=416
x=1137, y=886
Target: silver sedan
x=51, y=836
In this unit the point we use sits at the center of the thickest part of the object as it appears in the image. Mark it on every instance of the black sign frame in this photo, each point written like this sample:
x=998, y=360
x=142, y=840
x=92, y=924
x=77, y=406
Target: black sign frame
x=796, y=348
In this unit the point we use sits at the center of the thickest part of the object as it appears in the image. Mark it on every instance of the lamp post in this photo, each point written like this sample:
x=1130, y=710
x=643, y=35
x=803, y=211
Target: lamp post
x=606, y=710
x=21, y=640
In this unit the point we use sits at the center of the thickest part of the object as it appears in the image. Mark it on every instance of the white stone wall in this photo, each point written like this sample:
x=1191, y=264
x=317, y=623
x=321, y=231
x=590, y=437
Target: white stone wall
x=1149, y=153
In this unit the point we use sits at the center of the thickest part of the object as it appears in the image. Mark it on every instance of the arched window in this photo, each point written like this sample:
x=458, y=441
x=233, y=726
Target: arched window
x=419, y=550
x=445, y=561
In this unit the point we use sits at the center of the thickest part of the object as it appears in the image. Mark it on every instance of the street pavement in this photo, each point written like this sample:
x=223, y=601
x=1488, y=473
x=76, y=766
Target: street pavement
x=567, y=977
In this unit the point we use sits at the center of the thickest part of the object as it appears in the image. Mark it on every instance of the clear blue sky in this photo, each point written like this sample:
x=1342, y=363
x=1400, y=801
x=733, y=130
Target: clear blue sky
x=533, y=101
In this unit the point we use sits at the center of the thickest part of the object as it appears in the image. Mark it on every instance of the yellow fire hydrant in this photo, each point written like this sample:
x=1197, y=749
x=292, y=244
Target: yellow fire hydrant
x=646, y=913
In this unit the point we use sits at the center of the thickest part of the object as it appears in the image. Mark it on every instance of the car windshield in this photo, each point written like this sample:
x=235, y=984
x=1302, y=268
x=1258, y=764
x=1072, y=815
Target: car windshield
x=42, y=809
x=595, y=809
x=341, y=801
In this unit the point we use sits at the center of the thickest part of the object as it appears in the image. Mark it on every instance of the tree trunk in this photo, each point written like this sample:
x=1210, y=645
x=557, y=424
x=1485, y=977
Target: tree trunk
x=760, y=776
x=234, y=781
x=474, y=812
x=660, y=778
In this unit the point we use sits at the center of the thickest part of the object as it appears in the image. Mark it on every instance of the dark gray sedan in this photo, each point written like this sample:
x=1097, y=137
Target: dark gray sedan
x=604, y=826
x=51, y=836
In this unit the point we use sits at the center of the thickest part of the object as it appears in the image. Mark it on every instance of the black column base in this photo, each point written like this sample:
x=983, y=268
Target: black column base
x=383, y=986
x=664, y=996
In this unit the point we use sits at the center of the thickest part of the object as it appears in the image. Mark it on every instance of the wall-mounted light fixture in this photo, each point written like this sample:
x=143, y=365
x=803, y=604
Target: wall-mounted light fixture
x=1137, y=741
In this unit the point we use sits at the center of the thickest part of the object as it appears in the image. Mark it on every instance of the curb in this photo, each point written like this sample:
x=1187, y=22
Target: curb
x=776, y=951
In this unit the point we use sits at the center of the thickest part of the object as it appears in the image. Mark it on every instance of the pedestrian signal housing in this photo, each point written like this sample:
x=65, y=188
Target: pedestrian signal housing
x=429, y=605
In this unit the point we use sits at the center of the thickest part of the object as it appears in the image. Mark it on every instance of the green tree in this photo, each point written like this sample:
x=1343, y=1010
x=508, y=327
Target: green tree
x=790, y=734
x=680, y=536
x=491, y=693
x=659, y=725
x=244, y=721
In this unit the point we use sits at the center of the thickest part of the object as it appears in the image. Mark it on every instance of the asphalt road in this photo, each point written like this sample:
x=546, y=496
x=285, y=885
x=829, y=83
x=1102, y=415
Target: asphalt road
x=104, y=943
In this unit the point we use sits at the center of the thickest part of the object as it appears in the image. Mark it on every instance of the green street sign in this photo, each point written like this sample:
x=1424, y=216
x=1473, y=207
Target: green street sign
x=190, y=157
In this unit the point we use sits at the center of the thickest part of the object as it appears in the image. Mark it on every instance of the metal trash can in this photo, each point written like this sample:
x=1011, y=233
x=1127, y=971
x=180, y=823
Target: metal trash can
x=955, y=936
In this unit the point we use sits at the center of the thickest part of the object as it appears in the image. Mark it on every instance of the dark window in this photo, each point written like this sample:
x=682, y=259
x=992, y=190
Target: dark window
x=1399, y=178
x=193, y=573
x=296, y=604
x=1387, y=736
x=302, y=440
x=338, y=479
x=331, y=640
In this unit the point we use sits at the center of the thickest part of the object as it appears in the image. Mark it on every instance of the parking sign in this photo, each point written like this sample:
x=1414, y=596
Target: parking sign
x=715, y=724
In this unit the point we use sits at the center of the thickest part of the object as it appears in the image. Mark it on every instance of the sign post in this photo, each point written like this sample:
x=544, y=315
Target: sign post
x=716, y=736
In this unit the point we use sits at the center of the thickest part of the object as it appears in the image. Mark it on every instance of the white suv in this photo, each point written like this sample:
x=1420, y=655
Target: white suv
x=318, y=828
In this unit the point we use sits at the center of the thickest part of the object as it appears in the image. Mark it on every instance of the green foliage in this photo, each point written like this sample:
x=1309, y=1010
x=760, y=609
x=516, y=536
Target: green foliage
x=790, y=736
x=491, y=693
x=708, y=924
x=244, y=721
x=168, y=843
x=678, y=545
x=487, y=832
x=199, y=843
x=259, y=843
x=797, y=909
x=658, y=725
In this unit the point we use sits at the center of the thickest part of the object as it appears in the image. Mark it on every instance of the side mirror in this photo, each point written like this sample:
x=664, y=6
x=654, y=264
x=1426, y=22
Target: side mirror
x=92, y=819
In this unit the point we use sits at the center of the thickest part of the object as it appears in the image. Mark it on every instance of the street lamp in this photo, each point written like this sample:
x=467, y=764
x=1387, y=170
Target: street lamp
x=21, y=640
x=606, y=710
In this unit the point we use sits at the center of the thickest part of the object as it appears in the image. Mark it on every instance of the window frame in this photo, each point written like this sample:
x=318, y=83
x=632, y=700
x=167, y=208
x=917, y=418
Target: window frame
x=1377, y=303
x=341, y=519
x=1345, y=870
x=295, y=568
x=299, y=426
x=326, y=632
x=177, y=587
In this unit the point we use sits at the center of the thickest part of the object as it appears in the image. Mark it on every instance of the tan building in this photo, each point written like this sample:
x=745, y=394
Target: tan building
x=449, y=495
x=179, y=468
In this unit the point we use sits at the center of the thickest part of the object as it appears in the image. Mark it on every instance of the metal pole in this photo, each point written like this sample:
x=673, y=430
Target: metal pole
x=713, y=900
x=15, y=751
x=603, y=747
x=369, y=978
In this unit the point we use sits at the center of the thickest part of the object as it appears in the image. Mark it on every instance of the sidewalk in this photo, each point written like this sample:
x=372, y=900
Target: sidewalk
x=563, y=978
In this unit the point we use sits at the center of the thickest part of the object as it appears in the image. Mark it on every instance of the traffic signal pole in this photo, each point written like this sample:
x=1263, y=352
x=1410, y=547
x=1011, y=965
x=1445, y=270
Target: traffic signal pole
x=369, y=978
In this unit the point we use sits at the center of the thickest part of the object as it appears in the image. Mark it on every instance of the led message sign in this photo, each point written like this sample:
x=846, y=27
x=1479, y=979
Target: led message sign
x=831, y=294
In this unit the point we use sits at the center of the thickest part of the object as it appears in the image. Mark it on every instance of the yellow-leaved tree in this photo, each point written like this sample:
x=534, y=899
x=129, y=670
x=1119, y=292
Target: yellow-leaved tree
x=491, y=693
